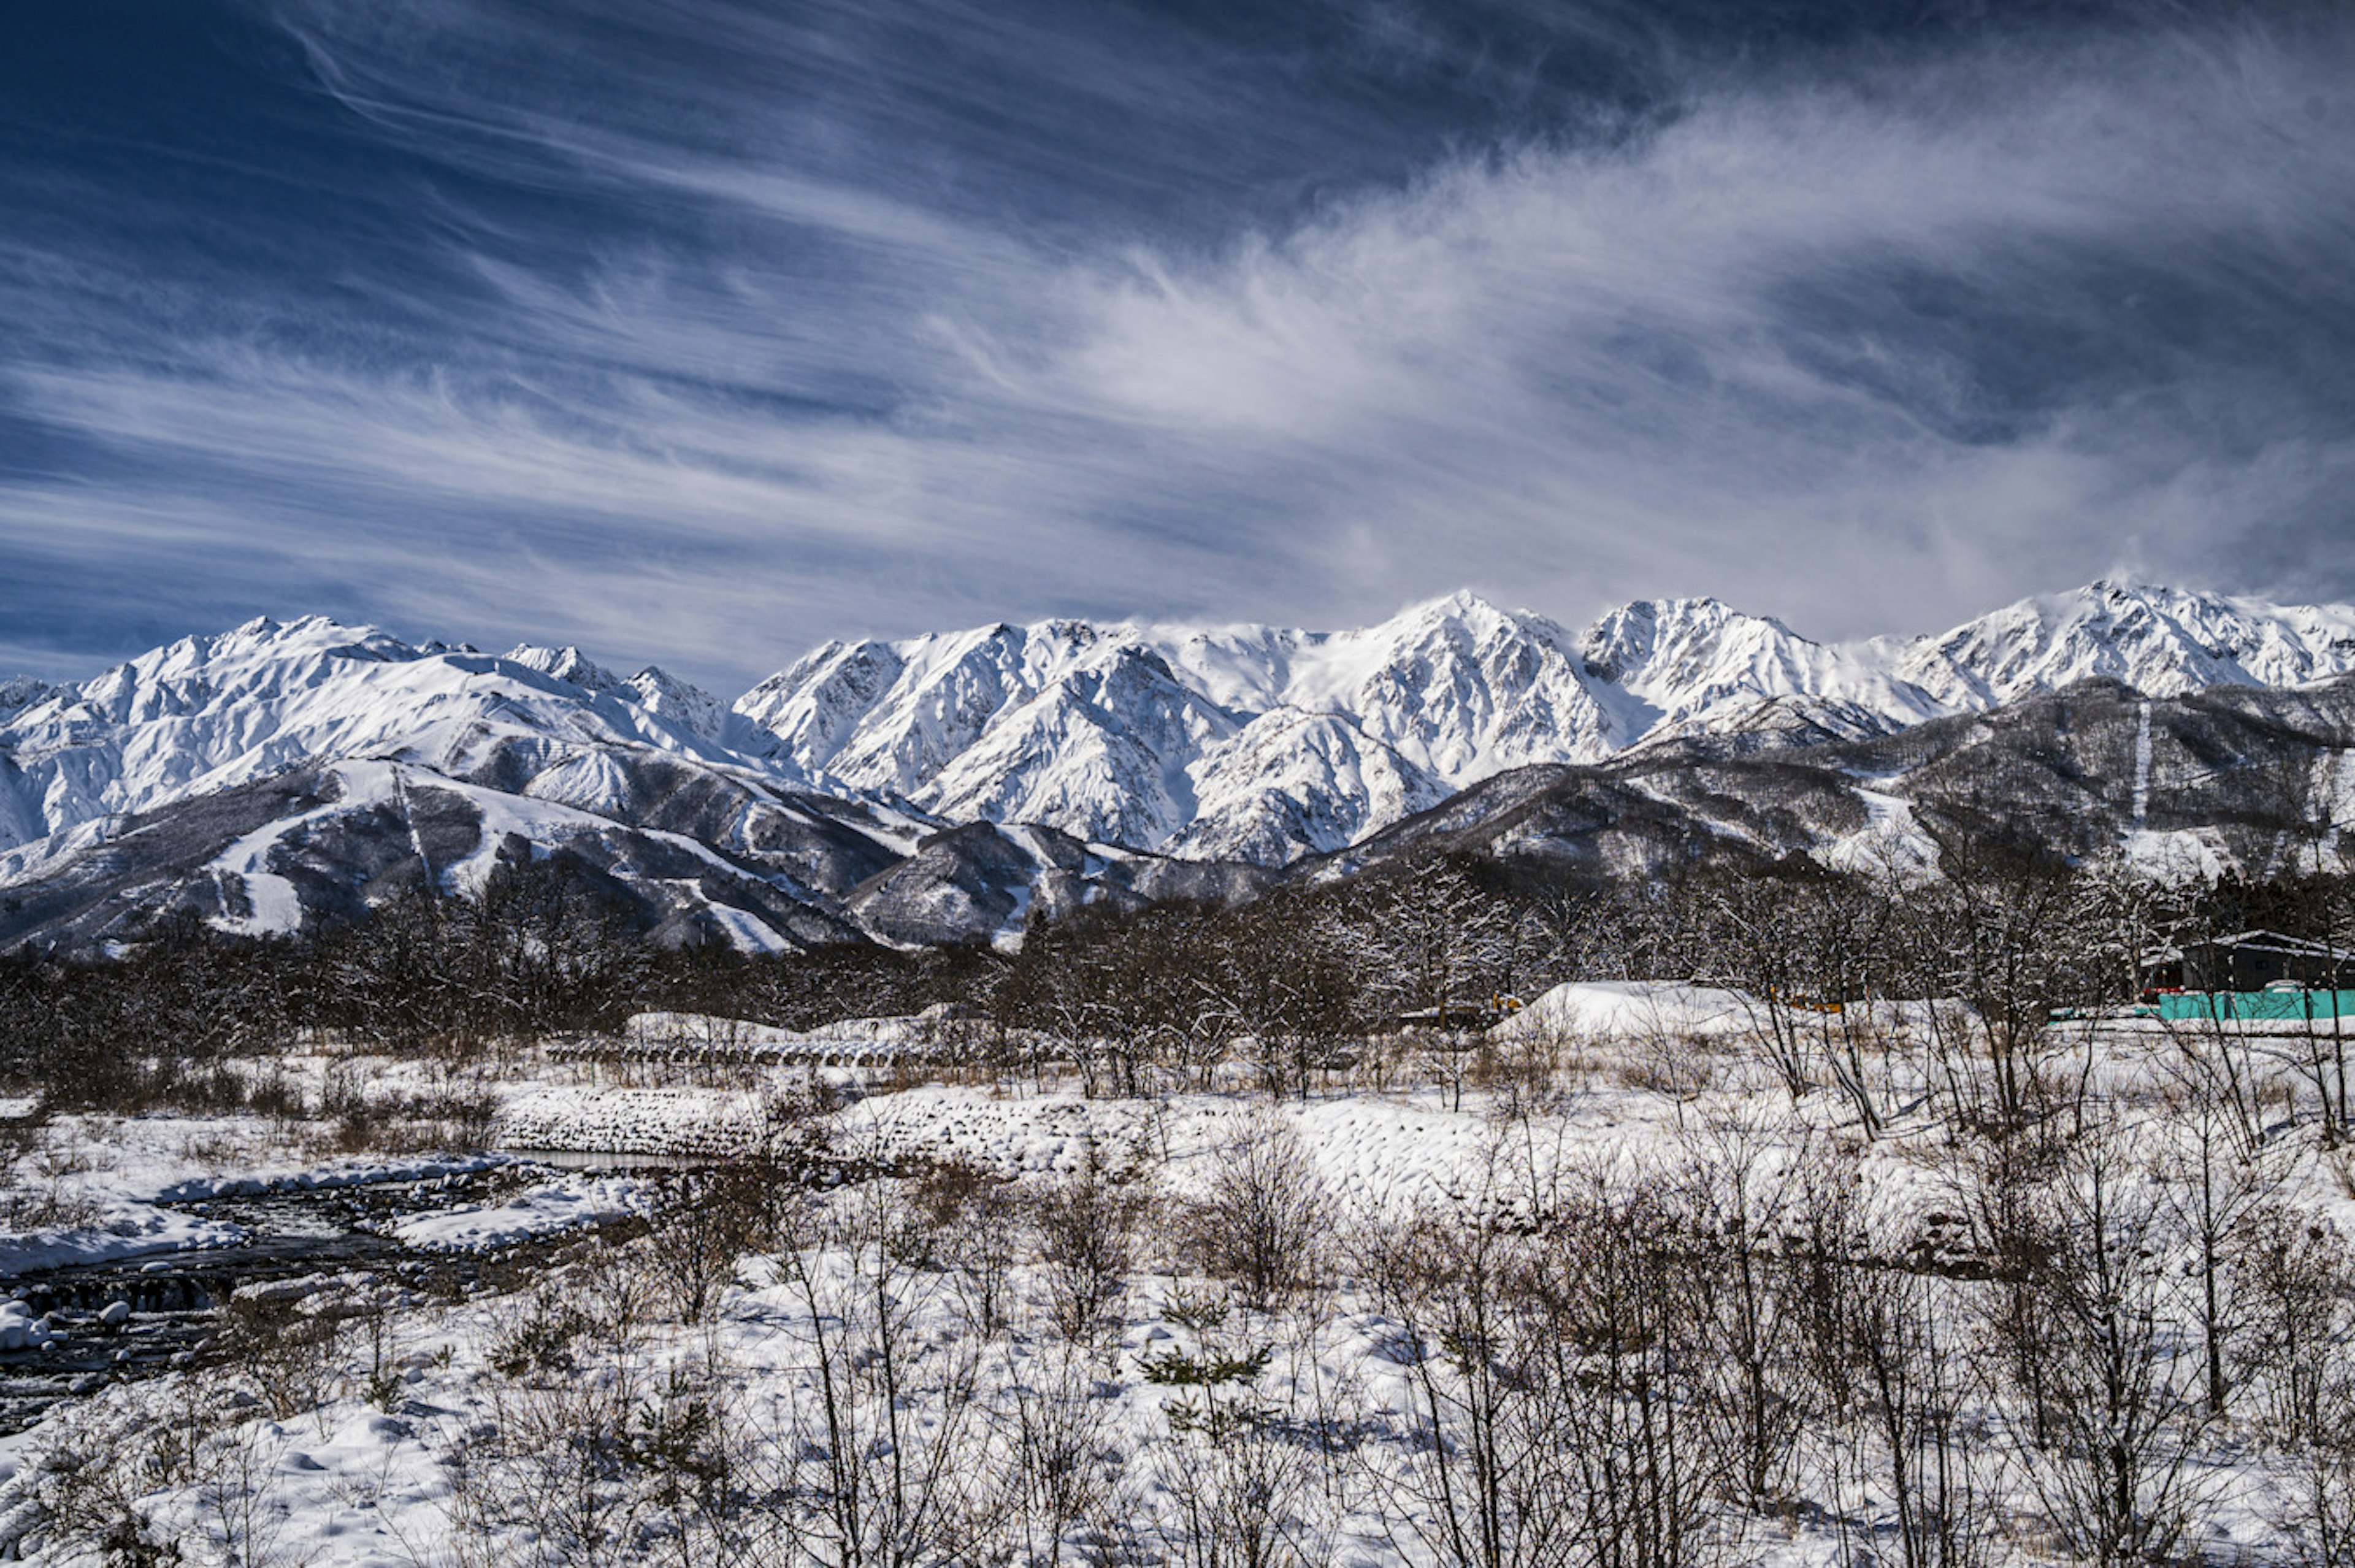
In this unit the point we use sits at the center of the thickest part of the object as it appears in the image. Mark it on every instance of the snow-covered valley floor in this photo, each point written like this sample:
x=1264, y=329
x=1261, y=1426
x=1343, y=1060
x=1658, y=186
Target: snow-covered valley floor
x=1589, y=1312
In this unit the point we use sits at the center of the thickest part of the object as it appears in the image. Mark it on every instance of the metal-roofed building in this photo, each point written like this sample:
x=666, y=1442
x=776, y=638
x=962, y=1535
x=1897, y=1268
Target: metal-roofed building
x=2249, y=961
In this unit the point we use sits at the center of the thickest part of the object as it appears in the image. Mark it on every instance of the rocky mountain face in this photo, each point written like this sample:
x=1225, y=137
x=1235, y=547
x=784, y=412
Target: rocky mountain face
x=951, y=785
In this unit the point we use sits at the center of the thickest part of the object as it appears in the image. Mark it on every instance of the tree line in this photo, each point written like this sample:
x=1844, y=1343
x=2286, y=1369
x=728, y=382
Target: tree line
x=1287, y=989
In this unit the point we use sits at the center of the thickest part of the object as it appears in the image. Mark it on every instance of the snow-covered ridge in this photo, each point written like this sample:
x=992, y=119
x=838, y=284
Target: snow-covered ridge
x=2163, y=642
x=1239, y=742
x=209, y=713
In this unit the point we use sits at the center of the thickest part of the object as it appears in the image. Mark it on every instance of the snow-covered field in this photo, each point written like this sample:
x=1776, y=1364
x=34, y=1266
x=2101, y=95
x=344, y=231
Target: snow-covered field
x=1044, y=1340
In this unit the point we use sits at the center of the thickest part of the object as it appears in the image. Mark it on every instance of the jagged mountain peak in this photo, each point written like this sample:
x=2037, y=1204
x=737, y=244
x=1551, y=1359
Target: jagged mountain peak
x=1628, y=640
x=255, y=662
x=264, y=636
x=1462, y=615
x=18, y=691
x=653, y=688
x=1686, y=664
x=567, y=663
x=1125, y=726
x=669, y=698
x=216, y=711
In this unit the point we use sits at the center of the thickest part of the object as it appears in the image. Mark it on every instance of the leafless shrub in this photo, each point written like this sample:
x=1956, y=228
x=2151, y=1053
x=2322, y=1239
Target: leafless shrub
x=1928, y=1450
x=598, y=1450
x=873, y=1481
x=705, y=1221
x=2294, y=1291
x=355, y=1113
x=539, y=1340
x=454, y=1118
x=2214, y=1177
x=1626, y=1357
x=1085, y=1224
x=1266, y=1220
x=1474, y=1476
x=53, y=1203
x=1242, y=1498
x=233, y=1520
x=2093, y=1344
x=1381, y=1063
x=99, y=1471
x=43, y=1169
x=268, y=1090
x=1680, y=1067
x=1523, y=1066
x=2298, y=1283
x=2321, y=1512
x=1240, y=1480
x=972, y=1224
x=185, y=1483
x=549, y=1480
x=283, y=1352
x=1065, y=1465
x=1740, y=1198
x=1557, y=1398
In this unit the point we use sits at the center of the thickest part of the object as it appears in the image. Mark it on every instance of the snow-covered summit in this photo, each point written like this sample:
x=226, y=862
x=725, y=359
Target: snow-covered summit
x=566, y=664
x=21, y=691
x=685, y=707
x=1698, y=664
x=1127, y=730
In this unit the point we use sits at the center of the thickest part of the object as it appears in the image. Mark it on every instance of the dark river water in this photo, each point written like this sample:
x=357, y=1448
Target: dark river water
x=174, y=1299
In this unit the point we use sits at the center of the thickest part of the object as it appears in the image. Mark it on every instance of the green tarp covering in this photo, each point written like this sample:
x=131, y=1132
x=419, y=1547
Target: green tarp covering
x=2290, y=1005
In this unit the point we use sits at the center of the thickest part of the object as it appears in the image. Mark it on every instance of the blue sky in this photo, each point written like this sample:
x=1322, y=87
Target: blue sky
x=698, y=332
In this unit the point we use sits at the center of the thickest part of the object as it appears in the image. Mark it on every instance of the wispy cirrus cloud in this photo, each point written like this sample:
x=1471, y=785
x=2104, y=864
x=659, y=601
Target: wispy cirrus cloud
x=1898, y=343
x=697, y=334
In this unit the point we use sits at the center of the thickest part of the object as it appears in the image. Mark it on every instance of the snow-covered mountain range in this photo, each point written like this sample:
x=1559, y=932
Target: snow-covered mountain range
x=1110, y=755
x=1254, y=743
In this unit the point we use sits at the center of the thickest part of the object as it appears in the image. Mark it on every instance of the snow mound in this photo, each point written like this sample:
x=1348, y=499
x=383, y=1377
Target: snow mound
x=126, y=1231
x=1378, y=1156
x=1633, y=1009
